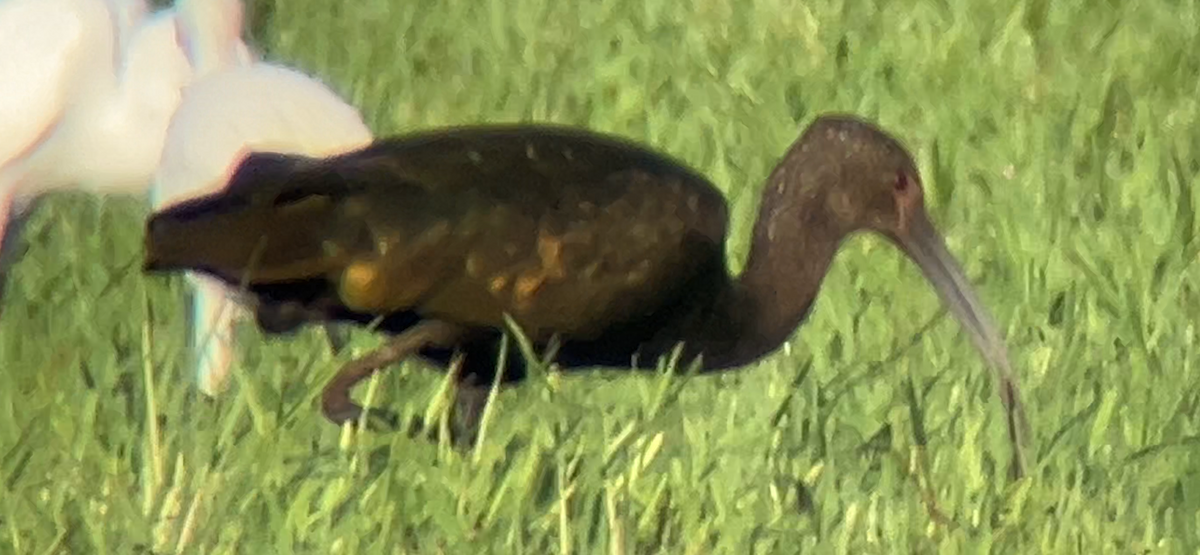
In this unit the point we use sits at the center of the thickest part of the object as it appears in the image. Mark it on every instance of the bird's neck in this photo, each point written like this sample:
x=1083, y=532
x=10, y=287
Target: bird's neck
x=794, y=242
x=126, y=15
x=211, y=31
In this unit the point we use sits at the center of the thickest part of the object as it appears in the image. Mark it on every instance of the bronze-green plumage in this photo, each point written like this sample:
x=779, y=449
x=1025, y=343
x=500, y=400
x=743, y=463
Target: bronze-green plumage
x=615, y=250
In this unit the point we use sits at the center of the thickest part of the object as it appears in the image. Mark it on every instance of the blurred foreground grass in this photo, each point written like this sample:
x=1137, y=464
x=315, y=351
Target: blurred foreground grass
x=1060, y=146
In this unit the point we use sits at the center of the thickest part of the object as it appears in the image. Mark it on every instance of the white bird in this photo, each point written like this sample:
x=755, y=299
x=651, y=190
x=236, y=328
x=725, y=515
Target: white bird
x=51, y=51
x=110, y=139
x=45, y=48
x=224, y=116
x=75, y=110
x=89, y=89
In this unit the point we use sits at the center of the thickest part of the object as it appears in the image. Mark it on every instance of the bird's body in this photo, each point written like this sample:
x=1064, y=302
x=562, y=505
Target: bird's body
x=110, y=140
x=616, y=251
x=86, y=114
x=50, y=51
x=90, y=86
x=475, y=245
x=225, y=116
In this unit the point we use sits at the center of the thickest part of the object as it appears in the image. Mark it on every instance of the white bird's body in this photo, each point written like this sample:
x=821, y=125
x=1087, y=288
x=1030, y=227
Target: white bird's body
x=98, y=96
x=110, y=139
x=224, y=117
x=50, y=51
x=54, y=55
x=89, y=89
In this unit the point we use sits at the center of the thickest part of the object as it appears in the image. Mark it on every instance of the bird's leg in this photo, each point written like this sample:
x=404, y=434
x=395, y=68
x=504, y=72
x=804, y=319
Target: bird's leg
x=1018, y=428
x=336, y=403
x=212, y=317
x=469, y=402
x=338, y=336
x=283, y=317
x=466, y=408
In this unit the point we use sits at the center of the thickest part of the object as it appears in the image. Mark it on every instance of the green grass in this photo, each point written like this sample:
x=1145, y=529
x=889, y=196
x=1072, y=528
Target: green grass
x=1060, y=146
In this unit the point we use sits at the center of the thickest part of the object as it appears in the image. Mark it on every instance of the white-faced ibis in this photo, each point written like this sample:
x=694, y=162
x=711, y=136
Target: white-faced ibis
x=230, y=111
x=616, y=251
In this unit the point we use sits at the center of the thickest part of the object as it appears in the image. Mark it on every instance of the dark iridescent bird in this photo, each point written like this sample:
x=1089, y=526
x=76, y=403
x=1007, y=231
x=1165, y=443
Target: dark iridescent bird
x=614, y=250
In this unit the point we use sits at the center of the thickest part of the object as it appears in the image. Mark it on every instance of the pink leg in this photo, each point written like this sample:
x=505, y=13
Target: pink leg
x=211, y=331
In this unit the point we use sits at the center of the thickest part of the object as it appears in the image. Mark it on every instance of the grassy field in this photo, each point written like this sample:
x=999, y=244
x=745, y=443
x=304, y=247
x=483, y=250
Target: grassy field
x=1060, y=146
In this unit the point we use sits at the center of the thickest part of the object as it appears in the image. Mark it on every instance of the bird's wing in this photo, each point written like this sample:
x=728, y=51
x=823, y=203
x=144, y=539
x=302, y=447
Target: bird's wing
x=563, y=232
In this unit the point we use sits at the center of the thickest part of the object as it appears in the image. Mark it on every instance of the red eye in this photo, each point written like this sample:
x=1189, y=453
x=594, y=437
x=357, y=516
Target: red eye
x=902, y=180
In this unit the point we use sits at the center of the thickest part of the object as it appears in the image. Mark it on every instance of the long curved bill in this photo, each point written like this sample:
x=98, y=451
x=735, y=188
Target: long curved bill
x=925, y=246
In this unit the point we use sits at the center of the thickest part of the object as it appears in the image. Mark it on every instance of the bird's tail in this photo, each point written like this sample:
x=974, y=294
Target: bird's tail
x=264, y=226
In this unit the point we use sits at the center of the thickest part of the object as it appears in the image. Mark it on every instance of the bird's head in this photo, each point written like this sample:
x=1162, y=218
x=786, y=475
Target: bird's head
x=869, y=181
x=854, y=176
x=866, y=179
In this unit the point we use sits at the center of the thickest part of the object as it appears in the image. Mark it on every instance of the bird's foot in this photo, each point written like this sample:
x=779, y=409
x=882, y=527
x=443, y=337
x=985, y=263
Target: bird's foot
x=461, y=435
x=928, y=492
x=341, y=411
x=335, y=400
